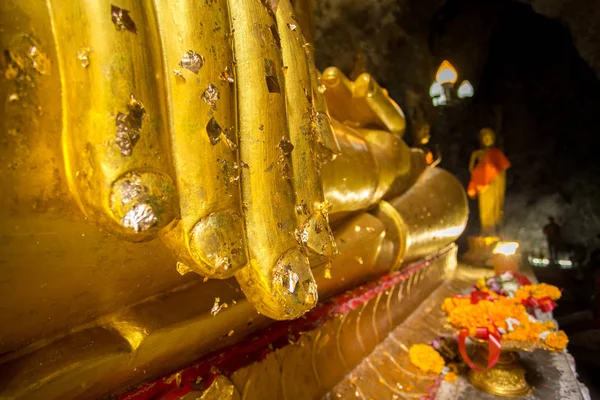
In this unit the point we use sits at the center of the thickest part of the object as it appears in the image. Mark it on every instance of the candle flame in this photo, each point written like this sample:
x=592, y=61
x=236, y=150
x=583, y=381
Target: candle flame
x=506, y=248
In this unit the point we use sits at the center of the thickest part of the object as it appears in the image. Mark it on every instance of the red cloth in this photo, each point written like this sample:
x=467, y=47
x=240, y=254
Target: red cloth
x=491, y=165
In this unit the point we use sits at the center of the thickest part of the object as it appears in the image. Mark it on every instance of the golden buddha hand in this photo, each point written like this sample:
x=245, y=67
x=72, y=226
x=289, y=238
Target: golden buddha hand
x=200, y=123
x=362, y=102
x=375, y=163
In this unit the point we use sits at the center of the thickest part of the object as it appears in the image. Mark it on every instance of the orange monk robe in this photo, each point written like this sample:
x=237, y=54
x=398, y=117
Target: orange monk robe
x=493, y=163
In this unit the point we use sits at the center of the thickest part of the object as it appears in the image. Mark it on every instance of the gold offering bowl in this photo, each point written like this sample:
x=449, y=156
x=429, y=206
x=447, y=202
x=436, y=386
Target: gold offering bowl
x=507, y=377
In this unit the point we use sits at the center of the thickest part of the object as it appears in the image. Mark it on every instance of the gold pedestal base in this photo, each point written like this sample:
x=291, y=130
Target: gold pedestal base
x=480, y=250
x=506, y=378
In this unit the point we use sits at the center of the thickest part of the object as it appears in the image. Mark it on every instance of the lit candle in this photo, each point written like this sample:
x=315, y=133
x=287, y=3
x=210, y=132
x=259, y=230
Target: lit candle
x=505, y=257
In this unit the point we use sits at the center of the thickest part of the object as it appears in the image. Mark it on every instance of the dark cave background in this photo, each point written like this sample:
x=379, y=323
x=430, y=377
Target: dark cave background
x=534, y=66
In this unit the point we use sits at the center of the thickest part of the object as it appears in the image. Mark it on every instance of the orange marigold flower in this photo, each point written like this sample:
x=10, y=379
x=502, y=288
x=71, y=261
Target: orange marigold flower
x=526, y=332
x=544, y=290
x=550, y=325
x=450, y=303
x=471, y=316
x=426, y=358
x=557, y=340
x=539, y=291
x=523, y=293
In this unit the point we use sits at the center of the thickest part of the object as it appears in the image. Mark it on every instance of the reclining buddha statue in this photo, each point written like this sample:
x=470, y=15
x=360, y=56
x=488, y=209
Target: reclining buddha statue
x=177, y=175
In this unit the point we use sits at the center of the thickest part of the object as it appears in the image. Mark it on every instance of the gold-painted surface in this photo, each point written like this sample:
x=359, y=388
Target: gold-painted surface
x=100, y=65
x=328, y=147
x=121, y=84
x=171, y=341
x=117, y=157
x=480, y=250
x=206, y=163
x=434, y=210
x=304, y=11
x=220, y=389
x=396, y=236
x=328, y=367
x=264, y=380
x=418, y=164
x=327, y=360
x=174, y=338
x=387, y=371
x=393, y=158
x=350, y=181
x=359, y=242
x=279, y=276
x=361, y=103
x=368, y=332
x=311, y=211
x=373, y=165
x=297, y=379
x=176, y=326
x=506, y=378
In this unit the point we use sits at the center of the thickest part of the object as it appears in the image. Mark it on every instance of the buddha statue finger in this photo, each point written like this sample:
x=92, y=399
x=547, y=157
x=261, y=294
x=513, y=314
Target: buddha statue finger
x=311, y=210
x=200, y=85
x=114, y=138
x=278, y=281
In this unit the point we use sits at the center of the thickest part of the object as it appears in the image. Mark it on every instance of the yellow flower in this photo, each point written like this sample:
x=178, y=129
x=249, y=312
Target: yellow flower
x=557, y=340
x=426, y=358
x=480, y=284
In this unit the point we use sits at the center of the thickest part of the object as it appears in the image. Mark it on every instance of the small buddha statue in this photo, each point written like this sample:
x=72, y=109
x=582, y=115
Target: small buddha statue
x=488, y=167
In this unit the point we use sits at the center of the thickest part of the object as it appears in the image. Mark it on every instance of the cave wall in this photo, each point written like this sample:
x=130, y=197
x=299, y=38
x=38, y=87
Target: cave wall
x=582, y=19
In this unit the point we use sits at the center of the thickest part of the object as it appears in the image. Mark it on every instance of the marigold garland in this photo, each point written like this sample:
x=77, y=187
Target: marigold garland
x=507, y=315
x=426, y=358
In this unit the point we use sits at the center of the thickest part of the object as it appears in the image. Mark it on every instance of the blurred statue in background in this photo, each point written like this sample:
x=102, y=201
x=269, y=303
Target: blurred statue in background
x=488, y=167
